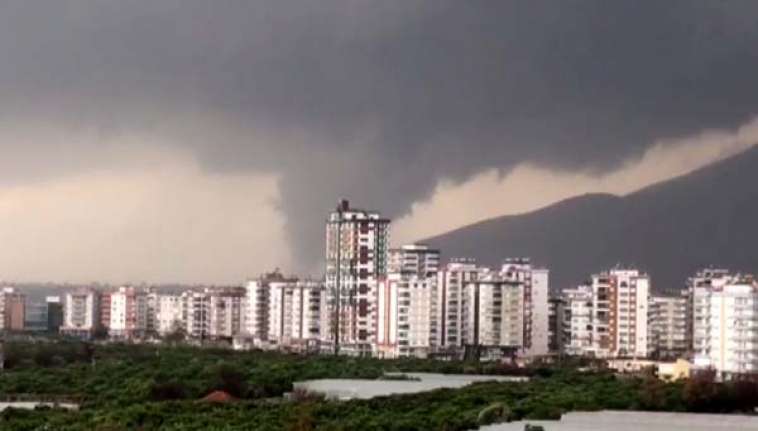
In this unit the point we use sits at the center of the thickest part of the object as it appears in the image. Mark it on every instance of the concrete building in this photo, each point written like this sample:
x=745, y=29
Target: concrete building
x=412, y=259
x=493, y=313
x=35, y=316
x=226, y=312
x=129, y=313
x=407, y=303
x=667, y=326
x=629, y=317
x=557, y=318
x=196, y=313
x=81, y=313
x=295, y=313
x=449, y=331
x=407, y=308
x=609, y=315
x=168, y=314
x=54, y=313
x=580, y=321
x=535, y=287
x=257, y=310
x=725, y=323
x=104, y=298
x=12, y=309
x=357, y=244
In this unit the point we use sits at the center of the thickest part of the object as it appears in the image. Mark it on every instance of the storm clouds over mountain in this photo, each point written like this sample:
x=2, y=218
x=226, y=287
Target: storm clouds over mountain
x=277, y=109
x=672, y=229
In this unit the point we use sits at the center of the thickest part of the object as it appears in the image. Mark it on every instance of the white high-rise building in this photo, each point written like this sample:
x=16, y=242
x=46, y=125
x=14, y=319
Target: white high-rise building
x=536, y=311
x=129, y=313
x=609, y=315
x=725, y=323
x=580, y=320
x=449, y=329
x=407, y=309
x=632, y=290
x=196, y=313
x=418, y=259
x=494, y=312
x=407, y=302
x=81, y=315
x=168, y=314
x=356, y=259
x=295, y=310
x=225, y=310
x=258, y=302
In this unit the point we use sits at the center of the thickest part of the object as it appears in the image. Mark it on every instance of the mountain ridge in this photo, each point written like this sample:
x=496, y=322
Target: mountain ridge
x=708, y=217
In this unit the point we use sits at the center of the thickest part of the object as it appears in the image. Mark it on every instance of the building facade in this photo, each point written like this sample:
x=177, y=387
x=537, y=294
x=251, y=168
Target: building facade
x=725, y=323
x=357, y=243
x=81, y=315
x=609, y=315
x=667, y=326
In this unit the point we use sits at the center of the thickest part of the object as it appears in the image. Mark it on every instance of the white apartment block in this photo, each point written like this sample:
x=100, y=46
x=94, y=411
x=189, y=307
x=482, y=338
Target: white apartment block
x=449, y=330
x=725, y=323
x=407, y=308
x=80, y=312
x=629, y=334
x=668, y=326
x=356, y=259
x=416, y=259
x=407, y=303
x=129, y=313
x=295, y=312
x=258, y=304
x=494, y=312
x=580, y=320
x=168, y=314
x=196, y=313
x=609, y=315
x=536, y=311
x=225, y=312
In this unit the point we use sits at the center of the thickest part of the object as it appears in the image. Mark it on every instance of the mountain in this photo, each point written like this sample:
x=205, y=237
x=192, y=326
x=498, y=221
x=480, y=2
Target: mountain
x=706, y=218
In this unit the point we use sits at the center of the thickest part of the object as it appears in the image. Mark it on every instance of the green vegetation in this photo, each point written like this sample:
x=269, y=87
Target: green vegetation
x=147, y=388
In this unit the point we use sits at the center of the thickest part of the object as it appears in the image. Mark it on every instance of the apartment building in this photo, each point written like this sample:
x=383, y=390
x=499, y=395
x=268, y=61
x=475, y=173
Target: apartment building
x=258, y=303
x=168, y=314
x=667, y=326
x=493, y=314
x=407, y=303
x=104, y=298
x=609, y=315
x=580, y=321
x=357, y=244
x=557, y=318
x=407, y=309
x=534, y=283
x=449, y=329
x=418, y=259
x=225, y=314
x=129, y=313
x=81, y=313
x=294, y=314
x=196, y=313
x=725, y=323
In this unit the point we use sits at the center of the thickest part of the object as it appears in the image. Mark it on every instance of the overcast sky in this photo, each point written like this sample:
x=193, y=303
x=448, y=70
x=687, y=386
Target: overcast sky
x=199, y=141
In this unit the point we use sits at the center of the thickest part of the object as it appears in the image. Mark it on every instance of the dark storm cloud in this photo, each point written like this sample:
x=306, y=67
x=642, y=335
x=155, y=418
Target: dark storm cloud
x=377, y=101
